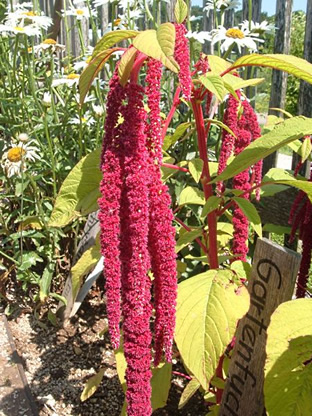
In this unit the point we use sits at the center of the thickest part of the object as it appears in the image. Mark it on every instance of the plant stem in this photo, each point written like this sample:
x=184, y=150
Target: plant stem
x=176, y=102
x=205, y=179
x=187, y=228
x=170, y=166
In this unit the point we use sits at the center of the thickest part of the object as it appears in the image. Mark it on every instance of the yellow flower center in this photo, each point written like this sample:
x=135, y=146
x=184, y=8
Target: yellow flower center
x=116, y=22
x=72, y=76
x=234, y=33
x=83, y=120
x=29, y=14
x=80, y=12
x=49, y=42
x=20, y=29
x=15, y=154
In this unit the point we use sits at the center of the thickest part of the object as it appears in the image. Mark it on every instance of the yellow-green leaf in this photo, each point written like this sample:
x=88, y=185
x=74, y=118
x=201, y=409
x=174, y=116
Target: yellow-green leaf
x=180, y=11
x=208, y=309
x=196, y=168
x=281, y=110
x=91, y=71
x=189, y=391
x=235, y=83
x=80, y=191
x=296, y=66
x=179, y=132
x=166, y=38
x=191, y=195
x=110, y=38
x=214, y=84
x=282, y=134
x=217, y=65
x=187, y=238
x=288, y=372
x=305, y=149
x=125, y=65
x=84, y=265
x=147, y=43
x=92, y=385
x=211, y=204
x=251, y=213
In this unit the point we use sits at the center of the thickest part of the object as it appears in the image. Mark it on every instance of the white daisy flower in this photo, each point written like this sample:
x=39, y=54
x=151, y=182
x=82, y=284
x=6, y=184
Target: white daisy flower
x=195, y=18
x=14, y=159
x=199, y=36
x=260, y=28
x=47, y=99
x=86, y=120
x=80, y=13
x=50, y=44
x=98, y=110
x=29, y=30
x=23, y=17
x=222, y=4
x=69, y=80
x=242, y=38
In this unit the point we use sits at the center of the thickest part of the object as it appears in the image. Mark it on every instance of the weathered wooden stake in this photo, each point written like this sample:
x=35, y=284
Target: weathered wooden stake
x=272, y=282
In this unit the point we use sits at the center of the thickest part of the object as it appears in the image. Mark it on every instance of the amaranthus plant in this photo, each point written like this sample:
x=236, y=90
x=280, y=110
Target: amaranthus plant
x=214, y=209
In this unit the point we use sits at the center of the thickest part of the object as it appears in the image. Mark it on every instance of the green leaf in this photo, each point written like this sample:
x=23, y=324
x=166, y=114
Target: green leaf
x=59, y=298
x=91, y=71
x=196, y=168
x=92, y=385
x=276, y=229
x=84, y=265
x=125, y=65
x=166, y=38
x=161, y=380
x=222, y=125
x=179, y=132
x=30, y=258
x=214, y=84
x=242, y=269
x=45, y=281
x=110, y=38
x=187, y=238
x=288, y=381
x=280, y=110
x=208, y=309
x=235, y=83
x=80, y=191
x=180, y=11
x=305, y=149
x=211, y=204
x=217, y=64
x=295, y=66
x=147, y=42
x=189, y=391
x=281, y=135
x=250, y=211
x=191, y=195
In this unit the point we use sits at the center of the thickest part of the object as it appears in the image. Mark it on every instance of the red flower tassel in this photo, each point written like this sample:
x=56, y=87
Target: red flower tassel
x=182, y=56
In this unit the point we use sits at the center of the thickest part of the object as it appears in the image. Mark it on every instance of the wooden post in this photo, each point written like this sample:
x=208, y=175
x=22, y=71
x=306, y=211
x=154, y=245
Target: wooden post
x=208, y=25
x=272, y=282
x=279, y=78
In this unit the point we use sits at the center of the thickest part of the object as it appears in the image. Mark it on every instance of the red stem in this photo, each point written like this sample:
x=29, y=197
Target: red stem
x=219, y=374
x=177, y=373
x=137, y=67
x=175, y=103
x=168, y=165
x=205, y=179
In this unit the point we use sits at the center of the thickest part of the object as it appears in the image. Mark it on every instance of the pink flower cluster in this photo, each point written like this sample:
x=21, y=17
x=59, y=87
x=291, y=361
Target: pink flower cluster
x=247, y=129
x=137, y=233
x=182, y=56
x=301, y=218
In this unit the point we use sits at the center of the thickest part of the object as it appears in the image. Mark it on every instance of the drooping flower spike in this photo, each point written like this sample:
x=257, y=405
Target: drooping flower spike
x=182, y=56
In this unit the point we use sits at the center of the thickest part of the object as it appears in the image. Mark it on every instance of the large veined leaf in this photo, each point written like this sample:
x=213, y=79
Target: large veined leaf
x=91, y=71
x=236, y=83
x=282, y=134
x=208, y=309
x=147, y=43
x=196, y=168
x=166, y=38
x=180, y=11
x=214, y=84
x=125, y=65
x=291, y=64
x=80, y=191
x=217, y=65
x=161, y=380
x=111, y=38
x=191, y=195
x=288, y=368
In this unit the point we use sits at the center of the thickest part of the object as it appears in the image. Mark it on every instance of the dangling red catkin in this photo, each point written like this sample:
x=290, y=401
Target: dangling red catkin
x=109, y=204
x=161, y=232
x=301, y=217
x=136, y=284
x=182, y=56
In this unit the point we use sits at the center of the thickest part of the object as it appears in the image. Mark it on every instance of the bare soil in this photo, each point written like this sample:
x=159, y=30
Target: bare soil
x=58, y=362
